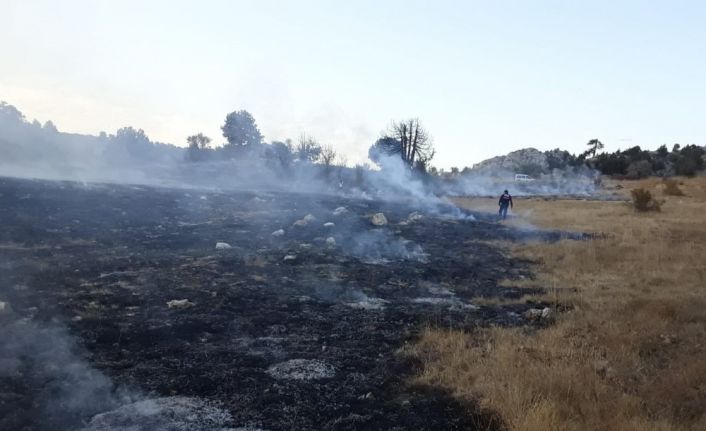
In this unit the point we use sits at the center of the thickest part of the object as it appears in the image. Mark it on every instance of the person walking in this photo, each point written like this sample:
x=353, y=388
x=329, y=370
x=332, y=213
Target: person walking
x=504, y=202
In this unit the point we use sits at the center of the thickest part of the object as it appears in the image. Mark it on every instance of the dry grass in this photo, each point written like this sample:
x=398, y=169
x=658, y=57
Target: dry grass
x=630, y=355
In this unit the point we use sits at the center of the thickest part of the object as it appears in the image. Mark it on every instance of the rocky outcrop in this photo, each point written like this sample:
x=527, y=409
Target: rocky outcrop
x=516, y=161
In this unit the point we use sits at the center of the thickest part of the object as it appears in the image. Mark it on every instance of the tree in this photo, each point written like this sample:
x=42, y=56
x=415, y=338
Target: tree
x=327, y=158
x=199, y=141
x=307, y=150
x=594, y=145
x=690, y=160
x=241, y=130
x=280, y=152
x=50, y=127
x=198, y=144
x=409, y=140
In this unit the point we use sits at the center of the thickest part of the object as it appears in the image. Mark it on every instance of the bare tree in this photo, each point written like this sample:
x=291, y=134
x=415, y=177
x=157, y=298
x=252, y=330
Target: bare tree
x=327, y=158
x=409, y=139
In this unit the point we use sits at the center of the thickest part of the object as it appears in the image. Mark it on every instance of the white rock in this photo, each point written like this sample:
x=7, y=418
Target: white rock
x=340, y=210
x=279, y=232
x=309, y=218
x=300, y=223
x=179, y=303
x=223, y=246
x=289, y=257
x=329, y=224
x=415, y=216
x=379, y=219
x=538, y=314
x=331, y=241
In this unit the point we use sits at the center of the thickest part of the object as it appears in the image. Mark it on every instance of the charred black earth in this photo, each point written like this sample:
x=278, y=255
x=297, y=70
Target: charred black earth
x=119, y=294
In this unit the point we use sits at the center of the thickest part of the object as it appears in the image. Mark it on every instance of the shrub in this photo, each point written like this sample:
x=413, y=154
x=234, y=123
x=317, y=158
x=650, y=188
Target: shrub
x=671, y=188
x=642, y=200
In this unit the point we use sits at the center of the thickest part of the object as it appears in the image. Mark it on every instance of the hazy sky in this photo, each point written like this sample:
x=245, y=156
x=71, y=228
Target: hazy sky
x=485, y=77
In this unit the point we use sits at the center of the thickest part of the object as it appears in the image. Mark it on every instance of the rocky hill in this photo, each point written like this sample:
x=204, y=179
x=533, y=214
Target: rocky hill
x=528, y=161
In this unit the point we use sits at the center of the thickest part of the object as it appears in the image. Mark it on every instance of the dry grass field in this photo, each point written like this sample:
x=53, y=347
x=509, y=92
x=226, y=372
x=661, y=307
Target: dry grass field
x=627, y=350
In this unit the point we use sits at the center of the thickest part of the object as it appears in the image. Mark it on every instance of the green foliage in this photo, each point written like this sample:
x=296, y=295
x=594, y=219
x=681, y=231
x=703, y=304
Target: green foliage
x=241, y=130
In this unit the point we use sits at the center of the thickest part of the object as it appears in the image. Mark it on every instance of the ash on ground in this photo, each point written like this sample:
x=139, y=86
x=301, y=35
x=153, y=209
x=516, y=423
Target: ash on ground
x=294, y=325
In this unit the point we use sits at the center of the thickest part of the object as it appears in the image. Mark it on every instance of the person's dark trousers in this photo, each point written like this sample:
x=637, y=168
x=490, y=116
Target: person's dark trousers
x=503, y=211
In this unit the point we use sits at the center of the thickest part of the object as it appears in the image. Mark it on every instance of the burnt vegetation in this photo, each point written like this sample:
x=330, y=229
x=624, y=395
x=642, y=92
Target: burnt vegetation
x=135, y=274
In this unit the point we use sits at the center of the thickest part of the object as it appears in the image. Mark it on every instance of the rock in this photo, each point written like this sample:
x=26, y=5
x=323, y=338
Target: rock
x=223, y=246
x=379, y=219
x=290, y=257
x=278, y=233
x=339, y=211
x=515, y=161
x=536, y=314
x=331, y=241
x=180, y=304
x=329, y=224
x=302, y=369
x=305, y=221
x=415, y=216
x=532, y=314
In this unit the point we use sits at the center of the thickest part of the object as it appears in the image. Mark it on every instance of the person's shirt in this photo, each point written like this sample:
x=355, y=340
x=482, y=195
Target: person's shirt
x=505, y=199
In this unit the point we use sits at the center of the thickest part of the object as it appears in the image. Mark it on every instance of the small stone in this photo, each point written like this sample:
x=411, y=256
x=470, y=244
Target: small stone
x=179, y=303
x=278, y=233
x=379, y=219
x=309, y=218
x=546, y=313
x=331, y=241
x=339, y=211
x=532, y=314
x=300, y=223
x=289, y=257
x=415, y=216
x=223, y=246
x=329, y=224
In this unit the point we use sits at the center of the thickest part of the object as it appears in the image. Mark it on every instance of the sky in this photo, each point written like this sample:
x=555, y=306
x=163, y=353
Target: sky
x=484, y=77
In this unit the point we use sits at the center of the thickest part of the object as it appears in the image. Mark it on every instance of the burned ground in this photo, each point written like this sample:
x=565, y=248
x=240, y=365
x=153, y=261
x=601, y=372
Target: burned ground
x=285, y=331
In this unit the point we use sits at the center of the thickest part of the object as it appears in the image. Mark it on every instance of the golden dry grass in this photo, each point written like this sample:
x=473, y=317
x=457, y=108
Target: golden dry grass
x=631, y=352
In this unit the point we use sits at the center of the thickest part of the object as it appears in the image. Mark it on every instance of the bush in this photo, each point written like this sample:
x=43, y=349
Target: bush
x=642, y=200
x=671, y=188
